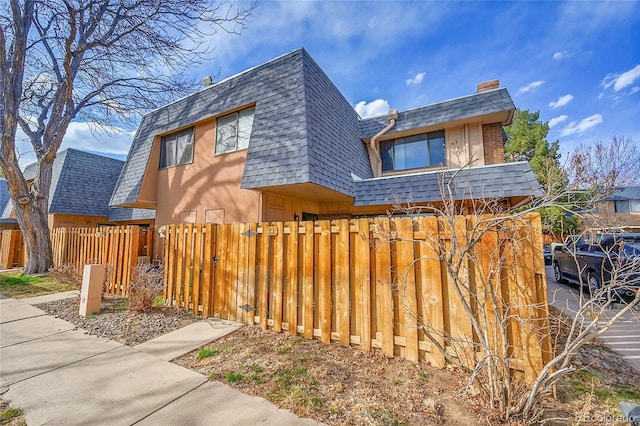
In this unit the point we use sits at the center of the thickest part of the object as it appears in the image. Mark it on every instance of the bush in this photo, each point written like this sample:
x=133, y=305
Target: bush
x=67, y=273
x=147, y=283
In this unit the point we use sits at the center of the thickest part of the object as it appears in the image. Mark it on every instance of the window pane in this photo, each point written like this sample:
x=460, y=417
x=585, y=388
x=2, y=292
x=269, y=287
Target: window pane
x=436, y=149
x=245, y=123
x=184, y=148
x=386, y=152
x=226, y=133
x=622, y=206
x=398, y=155
x=170, y=152
x=415, y=152
x=634, y=205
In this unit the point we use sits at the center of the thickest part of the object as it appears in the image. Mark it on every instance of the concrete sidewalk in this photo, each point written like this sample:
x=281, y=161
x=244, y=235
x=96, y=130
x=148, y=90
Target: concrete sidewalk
x=61, y=376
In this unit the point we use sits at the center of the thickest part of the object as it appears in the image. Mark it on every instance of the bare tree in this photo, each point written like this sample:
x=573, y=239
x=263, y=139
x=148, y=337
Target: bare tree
x=605, y=165
x=496, y=294
x=98, y=61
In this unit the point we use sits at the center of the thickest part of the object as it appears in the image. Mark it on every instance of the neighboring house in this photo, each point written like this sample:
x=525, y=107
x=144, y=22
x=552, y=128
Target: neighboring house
x=622, y=208
x=5, y=223
x=279, y=142
x=81, y=186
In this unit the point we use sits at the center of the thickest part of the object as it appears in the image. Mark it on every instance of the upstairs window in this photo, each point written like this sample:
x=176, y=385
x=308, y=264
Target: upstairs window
x=177, y=148
x=627, y=206
x=413, y=152
x=233, y=131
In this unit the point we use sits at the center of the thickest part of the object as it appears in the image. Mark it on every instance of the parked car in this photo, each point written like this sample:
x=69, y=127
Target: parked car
x=547, y=254
x=612, y=259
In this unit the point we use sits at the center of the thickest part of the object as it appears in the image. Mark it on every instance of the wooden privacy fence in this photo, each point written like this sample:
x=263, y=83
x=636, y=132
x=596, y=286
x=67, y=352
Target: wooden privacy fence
x=347, y=281
x=12, y=252
x=116, y=246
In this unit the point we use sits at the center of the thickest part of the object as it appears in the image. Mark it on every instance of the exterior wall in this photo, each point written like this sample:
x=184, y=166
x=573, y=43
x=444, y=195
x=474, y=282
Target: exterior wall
x=282, y=208
x=208, y=189
x=493, y=143
x=607, y=217
x=76, y=221
x=463, y=145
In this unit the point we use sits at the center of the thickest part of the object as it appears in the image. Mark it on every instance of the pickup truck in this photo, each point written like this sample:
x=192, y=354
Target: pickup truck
x=612, y=259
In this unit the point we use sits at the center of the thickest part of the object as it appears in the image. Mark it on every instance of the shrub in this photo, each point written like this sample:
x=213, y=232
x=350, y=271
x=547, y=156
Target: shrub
x=67, y=273
x=147, y=283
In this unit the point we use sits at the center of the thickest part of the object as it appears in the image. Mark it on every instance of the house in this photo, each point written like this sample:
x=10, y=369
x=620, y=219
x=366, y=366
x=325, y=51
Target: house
x=279, y=142
x=81, y=186
x=622, y=208
x=5, y=223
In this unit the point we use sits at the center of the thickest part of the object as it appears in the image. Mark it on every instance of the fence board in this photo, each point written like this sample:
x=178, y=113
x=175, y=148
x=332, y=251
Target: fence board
x=291, y=278
x=341, y=283
x=324, y=281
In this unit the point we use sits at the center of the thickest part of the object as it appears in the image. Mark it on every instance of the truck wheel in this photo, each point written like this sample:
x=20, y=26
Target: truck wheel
x=557, y=274
x=594, y=283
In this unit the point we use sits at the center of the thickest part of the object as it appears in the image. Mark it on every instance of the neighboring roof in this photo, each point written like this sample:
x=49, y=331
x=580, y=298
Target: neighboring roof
x=4, y=201
x=493, y=181
x=625, y=193
x=81, y=184
x=482, y=103
x=304, y=130
x=123, y=214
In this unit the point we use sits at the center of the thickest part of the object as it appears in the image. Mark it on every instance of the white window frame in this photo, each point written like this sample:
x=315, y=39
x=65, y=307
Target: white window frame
x=233, y=131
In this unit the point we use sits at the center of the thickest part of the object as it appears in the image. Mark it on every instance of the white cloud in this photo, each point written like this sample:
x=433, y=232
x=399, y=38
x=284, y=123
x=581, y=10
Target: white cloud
x=557, y=120
x=634, y=90
x=373, y=108
x=581, y=126
x=562, y=101
x=417, y=79
x=531, y=87
x=111, y=142
x=621, y=80
x=561, y=55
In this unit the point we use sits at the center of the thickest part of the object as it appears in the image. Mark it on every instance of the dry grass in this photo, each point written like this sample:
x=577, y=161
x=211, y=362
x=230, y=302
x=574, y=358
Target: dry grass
x=343, y=386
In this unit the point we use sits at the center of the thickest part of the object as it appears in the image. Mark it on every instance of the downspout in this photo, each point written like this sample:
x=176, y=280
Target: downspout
x=377, y=169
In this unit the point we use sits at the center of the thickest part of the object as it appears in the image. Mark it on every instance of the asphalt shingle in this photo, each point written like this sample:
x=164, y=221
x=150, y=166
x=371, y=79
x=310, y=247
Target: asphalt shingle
x=472, y=183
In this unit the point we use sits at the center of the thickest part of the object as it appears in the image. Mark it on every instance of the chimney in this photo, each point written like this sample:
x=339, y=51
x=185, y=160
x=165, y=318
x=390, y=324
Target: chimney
x=488, y=85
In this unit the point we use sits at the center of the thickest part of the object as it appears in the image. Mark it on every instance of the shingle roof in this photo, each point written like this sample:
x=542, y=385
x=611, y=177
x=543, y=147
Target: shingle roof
x=124, y=214
x=442, y=112
x=625, y=193
x=304, y=130
x=4, y=202
x=494, y=181
x=82, y=184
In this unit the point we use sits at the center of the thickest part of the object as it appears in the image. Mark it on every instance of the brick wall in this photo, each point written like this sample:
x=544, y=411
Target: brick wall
x=493, y=143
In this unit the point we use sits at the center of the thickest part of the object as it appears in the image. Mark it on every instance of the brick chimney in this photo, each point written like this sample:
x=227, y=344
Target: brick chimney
x=488, y=85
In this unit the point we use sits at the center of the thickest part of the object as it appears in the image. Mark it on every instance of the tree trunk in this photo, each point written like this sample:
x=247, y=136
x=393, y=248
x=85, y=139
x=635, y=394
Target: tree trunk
x=35, y=229
x=31, y=207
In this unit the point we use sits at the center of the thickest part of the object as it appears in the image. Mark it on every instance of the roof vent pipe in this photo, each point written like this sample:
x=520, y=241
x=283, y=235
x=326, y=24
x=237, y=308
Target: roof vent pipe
x=377, y=168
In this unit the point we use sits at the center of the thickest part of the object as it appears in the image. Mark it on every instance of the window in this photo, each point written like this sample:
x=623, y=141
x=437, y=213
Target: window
x=177, y=148
x=234, y=130
x=413, y=152
x=627, y=206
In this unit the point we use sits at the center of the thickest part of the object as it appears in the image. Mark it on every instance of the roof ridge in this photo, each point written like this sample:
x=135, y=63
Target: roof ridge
x=437, y=103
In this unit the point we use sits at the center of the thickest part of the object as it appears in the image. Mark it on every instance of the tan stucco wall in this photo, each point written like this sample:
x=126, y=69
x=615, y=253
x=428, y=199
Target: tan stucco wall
x=211, y=184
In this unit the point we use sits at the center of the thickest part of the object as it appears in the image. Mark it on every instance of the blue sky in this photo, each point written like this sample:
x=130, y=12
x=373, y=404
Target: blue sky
x=578, y=63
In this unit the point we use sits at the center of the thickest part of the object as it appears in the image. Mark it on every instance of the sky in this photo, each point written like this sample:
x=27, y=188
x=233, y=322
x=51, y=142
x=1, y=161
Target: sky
x=576, y=62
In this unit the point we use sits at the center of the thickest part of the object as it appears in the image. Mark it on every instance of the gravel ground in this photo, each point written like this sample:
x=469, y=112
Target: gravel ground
x=116, y=323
